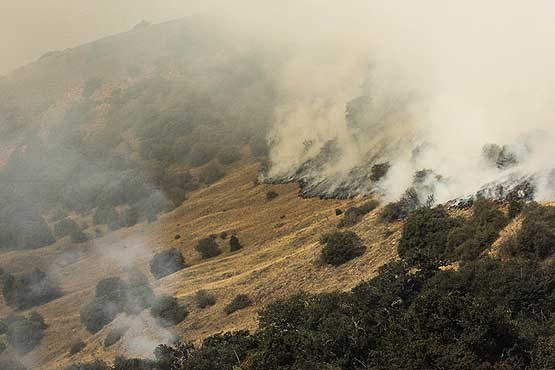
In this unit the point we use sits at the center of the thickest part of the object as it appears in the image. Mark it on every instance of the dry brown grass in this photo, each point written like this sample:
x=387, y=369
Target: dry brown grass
x=279, y=257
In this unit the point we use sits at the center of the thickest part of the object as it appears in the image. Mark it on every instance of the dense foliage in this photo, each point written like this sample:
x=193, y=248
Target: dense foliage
x=113, y=296
x=341, y=247
x=24, y=333
x=166, y=263
x=208, y=248
x=168, y=311
x=29, y=290
x=487, y=314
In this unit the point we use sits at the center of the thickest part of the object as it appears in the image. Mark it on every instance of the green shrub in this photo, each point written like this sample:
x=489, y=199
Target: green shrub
x=378, y=171
x=234, y=244
x=77, y=347
x=105, y=216
x=341, y=247
x=29, y=290
x=98, y=313
x=167, y=311
x=228, y=155
x=166, y=263
x=204, y=299
x=515, y=208
x=354, y=215
x=211, y=173
x=271, y=195
x=536, y=237
x=240, y=302
x=65, y=227
x=97, y=365
x=208, y=248
x=79, y=237
x=423, y=242
x=115, y=336
x=25, y=333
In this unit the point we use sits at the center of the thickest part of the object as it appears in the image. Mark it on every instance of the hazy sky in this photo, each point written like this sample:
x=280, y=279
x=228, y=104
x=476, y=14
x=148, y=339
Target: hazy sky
x=29, y=28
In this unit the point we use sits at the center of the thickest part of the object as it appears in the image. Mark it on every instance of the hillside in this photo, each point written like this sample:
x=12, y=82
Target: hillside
x=280, y=257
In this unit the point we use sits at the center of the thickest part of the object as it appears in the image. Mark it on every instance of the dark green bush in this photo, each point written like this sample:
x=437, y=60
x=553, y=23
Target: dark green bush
x=65, y=227
x=211, y=173
x=97, y=365
x=29, y=290
x=105, y=216
x=97, y=314
x=167, y=311
x=234, y=244
x=208, y=248
x=515, y=208
x=240, y=302
x=166, y=263
x=25, y=333
x=271, y=195
x=79, y=237
x=378, y=171
x=204, y=299
x=423, y=242
x=536, y=238
x=114, y=336
x=228, y=155
x=341, y=247
x=77, y=347
x=354, y=215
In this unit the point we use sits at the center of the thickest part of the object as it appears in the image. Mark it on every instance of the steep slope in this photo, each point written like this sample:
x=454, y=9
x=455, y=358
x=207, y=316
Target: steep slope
x=280, y=257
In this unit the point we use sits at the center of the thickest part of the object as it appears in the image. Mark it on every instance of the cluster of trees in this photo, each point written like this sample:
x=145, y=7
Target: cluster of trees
x=487, y=314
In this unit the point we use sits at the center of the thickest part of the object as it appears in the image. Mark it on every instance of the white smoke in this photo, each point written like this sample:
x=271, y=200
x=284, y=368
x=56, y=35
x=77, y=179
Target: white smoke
x=445, y=77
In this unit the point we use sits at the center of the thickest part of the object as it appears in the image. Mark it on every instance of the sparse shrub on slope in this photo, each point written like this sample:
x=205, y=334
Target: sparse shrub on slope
x=208, y=248
x=167, y=311
x=79, y=236
x=105, y=215
x=65, y=227
x=77, y=347
x=25, y=332
x=211, y=173
x=228, y=155
x=204, y=299
x=29, y=290
x=240, y=302
x=113, y=296
x=114, y=336
x=97, y=365
x=97, y=314
x=166, y=263
x=341, y=247
x=354, y=215
x=271, y=195
x=234, y=244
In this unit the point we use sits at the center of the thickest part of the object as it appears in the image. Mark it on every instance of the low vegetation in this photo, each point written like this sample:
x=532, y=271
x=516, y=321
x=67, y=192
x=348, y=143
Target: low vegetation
x=354, y=215
x=29, y=290
x=234, y=243
x=240, y=302
x=77, y=347
x=166, y=263
x=167, y=311
x=204, y=299
x=341, y=247
x=24, y=333
x=114, y=336
x=208, y=248
x=113, y=296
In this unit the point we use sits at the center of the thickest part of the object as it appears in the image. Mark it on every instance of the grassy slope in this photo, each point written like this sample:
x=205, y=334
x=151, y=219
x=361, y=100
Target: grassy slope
x=279, y=257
